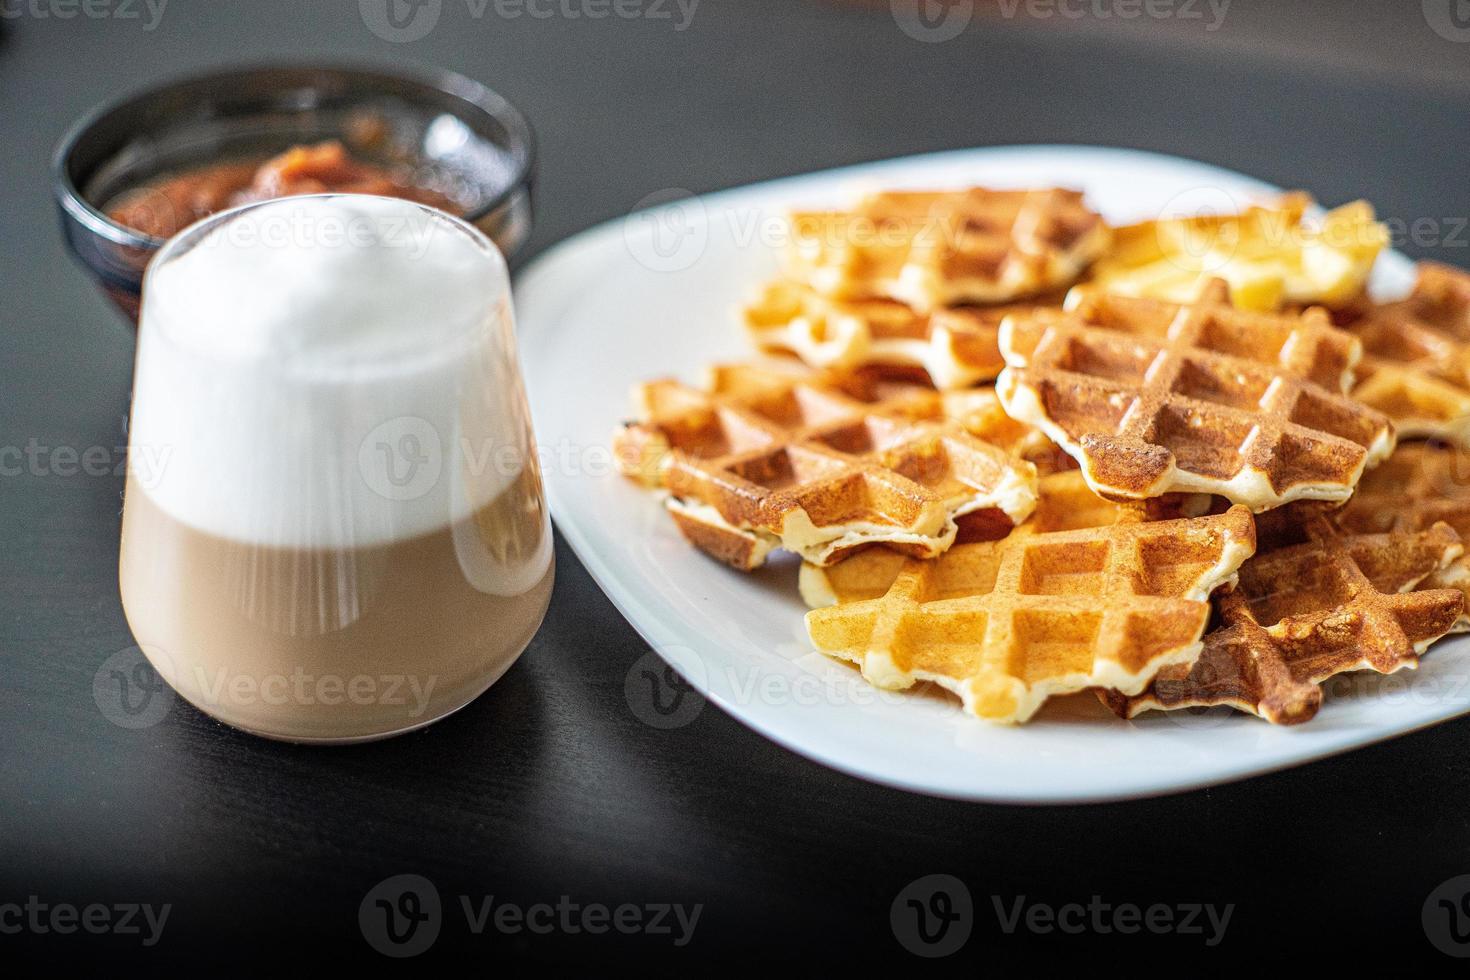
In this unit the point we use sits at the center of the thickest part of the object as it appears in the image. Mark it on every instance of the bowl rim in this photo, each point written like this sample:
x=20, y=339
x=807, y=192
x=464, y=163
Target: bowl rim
x=522, y=143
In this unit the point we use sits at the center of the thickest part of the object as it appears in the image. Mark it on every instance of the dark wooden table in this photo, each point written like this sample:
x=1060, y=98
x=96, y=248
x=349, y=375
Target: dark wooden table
x=550, y=785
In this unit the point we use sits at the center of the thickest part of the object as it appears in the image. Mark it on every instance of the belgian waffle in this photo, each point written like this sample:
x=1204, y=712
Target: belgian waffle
x=1306, y=612
x=1087, y=593
x=1270, y=255
x=955, y=347
x=1420, y=405
x=1417, y=356
x=766, y=457
x=1420, y=485
x=930, y=249
x=1151, y=397
x=1064, y=503
x=979, y=410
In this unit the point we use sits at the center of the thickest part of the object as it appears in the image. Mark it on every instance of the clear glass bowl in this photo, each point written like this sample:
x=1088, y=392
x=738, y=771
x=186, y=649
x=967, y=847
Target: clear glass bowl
x=450, y=129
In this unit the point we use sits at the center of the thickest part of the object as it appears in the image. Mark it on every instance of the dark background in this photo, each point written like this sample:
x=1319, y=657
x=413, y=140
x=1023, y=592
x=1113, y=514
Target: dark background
x=550, y=785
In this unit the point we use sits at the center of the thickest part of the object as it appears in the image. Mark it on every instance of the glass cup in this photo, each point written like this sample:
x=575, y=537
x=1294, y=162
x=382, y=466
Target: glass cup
x=334, y=528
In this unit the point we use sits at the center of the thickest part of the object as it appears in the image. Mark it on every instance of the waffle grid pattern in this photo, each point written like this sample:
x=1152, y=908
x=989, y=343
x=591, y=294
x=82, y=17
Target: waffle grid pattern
x=1307, y=612
x=1152, y=397
x=816, y=468
x=931, y=249
x=1420, y=485
x=1417, y=357
x=1006, y=624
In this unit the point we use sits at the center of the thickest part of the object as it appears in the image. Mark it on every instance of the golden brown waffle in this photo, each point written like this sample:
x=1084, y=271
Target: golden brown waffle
x=931, y=249
x=1420, y=485
x=955, y=347
x=1007, y=624
x=1416, y=365
x=1270, y=255
x=1420, y=405
x=1152, y=397
x=767, y=457
x=1306, y=612
x=1064, y=503
x=979, y=410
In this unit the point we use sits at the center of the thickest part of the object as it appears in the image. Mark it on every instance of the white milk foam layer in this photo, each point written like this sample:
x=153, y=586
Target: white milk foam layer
x=327, y=372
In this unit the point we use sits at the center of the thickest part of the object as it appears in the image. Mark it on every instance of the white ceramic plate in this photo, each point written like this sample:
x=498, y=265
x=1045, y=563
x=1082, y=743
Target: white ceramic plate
x=653, y=295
